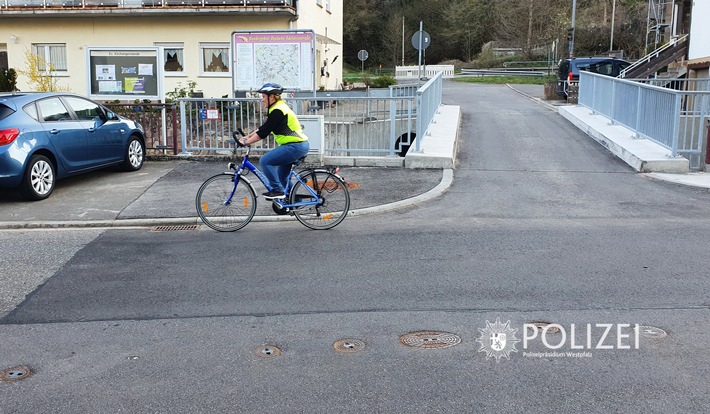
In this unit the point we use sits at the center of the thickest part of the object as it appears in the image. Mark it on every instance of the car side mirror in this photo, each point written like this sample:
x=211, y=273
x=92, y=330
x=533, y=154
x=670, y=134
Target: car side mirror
x=110, y=116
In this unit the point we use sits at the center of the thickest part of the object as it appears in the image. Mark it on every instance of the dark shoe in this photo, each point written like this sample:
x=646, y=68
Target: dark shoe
x=271, y=195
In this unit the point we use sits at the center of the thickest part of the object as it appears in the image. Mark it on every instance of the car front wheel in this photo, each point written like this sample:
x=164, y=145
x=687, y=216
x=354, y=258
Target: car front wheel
x=135, y=155
x=39, y=179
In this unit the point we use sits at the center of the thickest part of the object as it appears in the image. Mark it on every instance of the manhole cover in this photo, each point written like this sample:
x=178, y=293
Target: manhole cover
x=349, y=345
x=430, y=339
x=175, y=228
x=651, y=332
x=15, y=374
x=267, y=351
x=541, y=326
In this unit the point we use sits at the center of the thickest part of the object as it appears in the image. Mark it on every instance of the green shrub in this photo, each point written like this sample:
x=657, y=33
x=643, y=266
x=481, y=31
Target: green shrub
x=383, y=81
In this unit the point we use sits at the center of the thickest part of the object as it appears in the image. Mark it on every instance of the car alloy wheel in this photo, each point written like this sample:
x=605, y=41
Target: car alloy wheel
x=42, y=177
x=135, y=154
x=39, y=179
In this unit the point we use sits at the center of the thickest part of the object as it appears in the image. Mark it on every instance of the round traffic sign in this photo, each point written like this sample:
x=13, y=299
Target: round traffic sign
x=425, y=40
x=362, y=55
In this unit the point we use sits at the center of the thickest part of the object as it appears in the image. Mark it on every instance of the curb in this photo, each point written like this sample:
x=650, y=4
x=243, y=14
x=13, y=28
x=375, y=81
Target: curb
x=444, y=184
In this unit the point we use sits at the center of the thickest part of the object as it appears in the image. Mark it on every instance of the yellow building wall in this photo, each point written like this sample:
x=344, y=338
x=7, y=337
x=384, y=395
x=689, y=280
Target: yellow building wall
x=328, y=24
x=135, y=30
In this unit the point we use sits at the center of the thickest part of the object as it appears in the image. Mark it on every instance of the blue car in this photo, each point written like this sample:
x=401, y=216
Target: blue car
x=45, y=136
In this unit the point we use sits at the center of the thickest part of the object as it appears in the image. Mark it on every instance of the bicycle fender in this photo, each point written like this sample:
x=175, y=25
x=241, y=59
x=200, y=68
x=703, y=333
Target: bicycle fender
x=321, y=170
x=248, y=182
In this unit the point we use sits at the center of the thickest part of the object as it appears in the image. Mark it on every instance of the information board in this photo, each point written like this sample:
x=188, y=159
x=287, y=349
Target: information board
x=284, y=57
x=124, y=73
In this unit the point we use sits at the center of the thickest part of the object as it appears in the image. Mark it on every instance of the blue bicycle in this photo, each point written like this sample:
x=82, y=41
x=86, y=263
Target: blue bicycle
x=317, y=197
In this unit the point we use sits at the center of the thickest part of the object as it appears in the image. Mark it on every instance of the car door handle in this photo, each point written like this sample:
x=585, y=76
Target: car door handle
x=54, y=131
x=91, y=130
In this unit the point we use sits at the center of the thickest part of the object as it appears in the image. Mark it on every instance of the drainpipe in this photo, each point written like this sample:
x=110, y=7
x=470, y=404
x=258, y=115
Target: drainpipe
x=294, y=18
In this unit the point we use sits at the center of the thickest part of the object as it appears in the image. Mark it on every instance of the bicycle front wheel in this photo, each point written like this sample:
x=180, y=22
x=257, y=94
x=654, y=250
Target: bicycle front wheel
x=218, y=210
x=332, y=196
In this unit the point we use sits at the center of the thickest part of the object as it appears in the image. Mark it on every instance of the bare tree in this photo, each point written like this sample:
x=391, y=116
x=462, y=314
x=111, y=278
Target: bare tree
x=392, y=39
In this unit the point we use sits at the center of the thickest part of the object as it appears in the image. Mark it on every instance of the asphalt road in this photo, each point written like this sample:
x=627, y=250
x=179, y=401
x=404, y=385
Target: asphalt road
x=540, y=224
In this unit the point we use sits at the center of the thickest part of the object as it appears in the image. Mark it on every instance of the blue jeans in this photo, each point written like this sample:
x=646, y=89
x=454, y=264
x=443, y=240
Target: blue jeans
x=276, y=164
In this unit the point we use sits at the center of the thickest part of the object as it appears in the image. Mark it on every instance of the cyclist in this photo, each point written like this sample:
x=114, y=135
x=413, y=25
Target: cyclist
x=288, y=133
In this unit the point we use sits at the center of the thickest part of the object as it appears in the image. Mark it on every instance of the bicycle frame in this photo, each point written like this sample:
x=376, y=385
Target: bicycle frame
x=247, y=165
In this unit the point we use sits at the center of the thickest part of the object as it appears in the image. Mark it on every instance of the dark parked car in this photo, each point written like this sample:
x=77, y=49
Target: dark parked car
x=45, y=136
x=568, y=71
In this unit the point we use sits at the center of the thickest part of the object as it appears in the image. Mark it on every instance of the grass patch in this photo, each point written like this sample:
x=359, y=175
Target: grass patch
x=518, y=80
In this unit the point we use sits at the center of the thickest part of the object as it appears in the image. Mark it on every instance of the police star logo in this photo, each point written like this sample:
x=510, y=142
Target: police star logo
x=497, y=340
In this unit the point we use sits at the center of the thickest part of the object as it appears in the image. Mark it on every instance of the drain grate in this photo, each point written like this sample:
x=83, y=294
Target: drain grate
x=15, y=374
x=175, y=228
x=430, y=339
x=349, y=345
x=267, y=351
x=542, y=326
x=651, y=332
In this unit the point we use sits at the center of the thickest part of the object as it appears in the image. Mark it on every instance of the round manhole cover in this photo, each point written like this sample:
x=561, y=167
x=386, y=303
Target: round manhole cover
x=349, y=345
x=543, y=326
x=430, y=339
x=651, y=332
x=267, y=351
x=15, y=374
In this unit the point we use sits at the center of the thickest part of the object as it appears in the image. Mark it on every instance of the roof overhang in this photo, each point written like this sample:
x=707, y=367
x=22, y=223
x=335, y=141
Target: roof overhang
x=699, y=63
x=325, y=40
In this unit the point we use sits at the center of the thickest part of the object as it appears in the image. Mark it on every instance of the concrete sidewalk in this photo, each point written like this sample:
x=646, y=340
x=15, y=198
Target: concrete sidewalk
x=163, y=193
x=645, y=156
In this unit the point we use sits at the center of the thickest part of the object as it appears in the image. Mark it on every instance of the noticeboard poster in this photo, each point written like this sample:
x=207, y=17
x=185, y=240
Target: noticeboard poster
x=283, y=57
x=124, y=73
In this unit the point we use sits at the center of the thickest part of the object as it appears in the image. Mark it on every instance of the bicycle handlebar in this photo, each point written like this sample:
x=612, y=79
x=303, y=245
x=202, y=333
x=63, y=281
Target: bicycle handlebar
x=236, y=135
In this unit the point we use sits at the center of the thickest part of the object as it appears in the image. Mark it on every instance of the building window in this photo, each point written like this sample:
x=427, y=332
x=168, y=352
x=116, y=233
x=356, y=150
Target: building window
x=214, y=58
x=173, y=58
x=327, y=5
x=319, y=2
x=52, y=58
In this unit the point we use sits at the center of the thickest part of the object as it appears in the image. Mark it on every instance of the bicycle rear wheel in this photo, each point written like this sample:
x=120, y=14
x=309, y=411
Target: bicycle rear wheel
x=214, y=209
x=334, y=200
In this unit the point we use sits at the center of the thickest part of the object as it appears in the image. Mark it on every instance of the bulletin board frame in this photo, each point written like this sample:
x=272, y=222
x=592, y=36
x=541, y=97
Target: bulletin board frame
x=124, y=73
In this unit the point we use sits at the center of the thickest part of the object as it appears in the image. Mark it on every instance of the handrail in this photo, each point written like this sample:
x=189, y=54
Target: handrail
x=652, y=55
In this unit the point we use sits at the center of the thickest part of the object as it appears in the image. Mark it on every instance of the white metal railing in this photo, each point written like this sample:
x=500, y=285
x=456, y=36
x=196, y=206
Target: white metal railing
x=675, y=116
x=428, y=102
x=428, y=71
x=355, y=124
x=652, y=55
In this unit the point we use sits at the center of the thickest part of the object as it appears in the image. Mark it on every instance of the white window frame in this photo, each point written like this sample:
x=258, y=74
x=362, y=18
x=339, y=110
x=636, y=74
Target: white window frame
x=45, y=51
x=319, y=2
x=164, y=47
x=215, y=45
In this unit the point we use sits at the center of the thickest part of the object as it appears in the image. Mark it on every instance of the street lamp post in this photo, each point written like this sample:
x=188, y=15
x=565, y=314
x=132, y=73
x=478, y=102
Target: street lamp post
x=613, y=13
x=571, y=31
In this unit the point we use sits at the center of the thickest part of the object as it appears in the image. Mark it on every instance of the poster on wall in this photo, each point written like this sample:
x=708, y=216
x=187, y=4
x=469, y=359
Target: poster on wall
x=124, y=73
x=283, y=57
